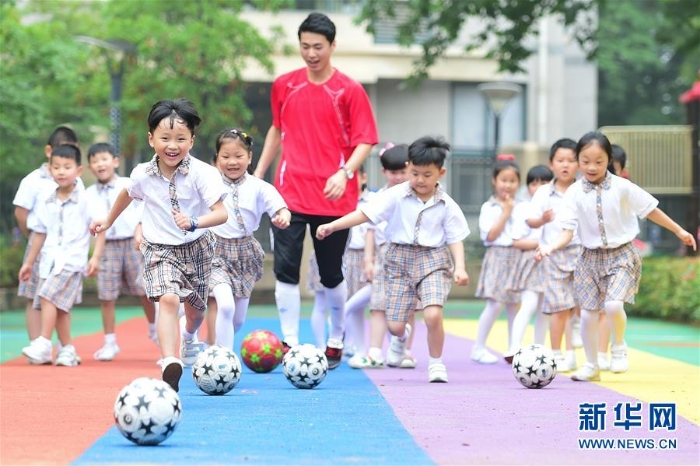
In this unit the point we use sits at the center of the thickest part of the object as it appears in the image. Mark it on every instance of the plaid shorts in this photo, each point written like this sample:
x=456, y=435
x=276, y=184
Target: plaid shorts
x=313, y=277
x=238, y=262
x=604, y=275
x=529, y=273
x=63, y=290
x=121, y=269
x=183, y=270
x=559, y=293
x=416, y=272
x=354, y=270
x=28, y=289
x=497, y=272
x=378, y=299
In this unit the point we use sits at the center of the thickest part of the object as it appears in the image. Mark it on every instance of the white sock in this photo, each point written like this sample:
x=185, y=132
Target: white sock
x=335, y=298
x=226, y=311
x=511, y=311
x=375, y=353
x=589, y=335
x=110, y=339
x=288, y=299
x=318, y=319
x=618, y=321
x=355, y=318
x=241, y=313
x=541, y=324
x=528, y=306
x=151, y=328
x=432, y=361
x=486, y=320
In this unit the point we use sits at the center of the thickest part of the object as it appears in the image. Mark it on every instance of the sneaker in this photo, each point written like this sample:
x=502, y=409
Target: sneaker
x=189, y=349
x=565, y=364
x=334, y=352
x=285, y=348
x=576, y=340
x=618, y=359
x=397, y=348
x=348, y=353
x=39, y=351
x=483, y=356
x=365, y=362
x=107, y=352
x=67, y=357
x=437, y=373
x=408, y=362
x=603, y=362
x=509, y=358
x=587, y=373
x=172, y=372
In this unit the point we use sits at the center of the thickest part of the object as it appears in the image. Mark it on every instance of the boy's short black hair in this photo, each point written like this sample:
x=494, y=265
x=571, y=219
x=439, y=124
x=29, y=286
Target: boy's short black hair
x=428, y=150
x=539, y=173
x=62, y=135
x=101, y=147
x=67, y=151
x=394, y=158
x=563, y=143
x=618, y=155
x=181, y=109
x=318, y=23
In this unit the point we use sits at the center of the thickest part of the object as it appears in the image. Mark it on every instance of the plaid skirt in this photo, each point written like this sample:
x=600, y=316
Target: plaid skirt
x=604, y=275
x=238, y=262
x=496, y=280
x=416, y=273
x=559, y=293
x=354, y=270
x=529, y=273
x=183, y=270
x=29, y=288
x=64, y=290
x=121, y=269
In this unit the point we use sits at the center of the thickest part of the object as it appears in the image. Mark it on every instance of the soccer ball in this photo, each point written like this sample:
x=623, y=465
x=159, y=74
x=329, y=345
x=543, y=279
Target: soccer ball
x=534, y=366
x=305, y=366
x=217, y=370
x=261, y=351
x=147, y=411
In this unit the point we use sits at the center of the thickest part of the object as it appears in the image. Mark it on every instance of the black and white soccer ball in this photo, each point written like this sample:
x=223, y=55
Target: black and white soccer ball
x=217, y=370
x=534, y=366
x=147, y=411
x=305, y=366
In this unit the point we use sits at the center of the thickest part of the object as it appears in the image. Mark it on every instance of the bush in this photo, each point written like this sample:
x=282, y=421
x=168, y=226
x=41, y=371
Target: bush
x=10, y=263
x=670, y=289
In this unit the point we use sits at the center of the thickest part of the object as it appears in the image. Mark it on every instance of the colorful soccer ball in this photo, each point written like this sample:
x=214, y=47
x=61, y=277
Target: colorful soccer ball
x=217, y=370
x=261, y=351
x=147, y=411
x=534, y=366
x=305, y=366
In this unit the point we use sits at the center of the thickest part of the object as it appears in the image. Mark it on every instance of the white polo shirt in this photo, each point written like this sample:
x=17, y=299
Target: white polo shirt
x=491, y=210
x=434, y=223
x=547, y=197
x=199, y=186
x=102, y=196
x=521, y=230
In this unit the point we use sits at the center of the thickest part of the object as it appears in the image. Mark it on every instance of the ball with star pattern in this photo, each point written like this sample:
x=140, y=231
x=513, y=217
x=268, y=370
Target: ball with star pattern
x=147, y=411
x=217, y=370
x=305, y=366
x=534, y=366
x=261, y=351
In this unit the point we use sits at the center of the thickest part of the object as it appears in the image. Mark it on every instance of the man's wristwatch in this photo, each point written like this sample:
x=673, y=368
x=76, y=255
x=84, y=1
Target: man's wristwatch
x=193, y=223
x=349, y=174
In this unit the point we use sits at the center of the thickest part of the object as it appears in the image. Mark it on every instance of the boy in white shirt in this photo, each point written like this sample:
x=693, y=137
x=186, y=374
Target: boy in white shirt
x=182, y=197
x=426, y=229
x=604, y=208
x=61, y=235
x=122, y=263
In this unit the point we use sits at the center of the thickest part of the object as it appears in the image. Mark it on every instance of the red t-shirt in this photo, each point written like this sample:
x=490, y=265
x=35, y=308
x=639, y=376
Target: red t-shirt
x=320, y=126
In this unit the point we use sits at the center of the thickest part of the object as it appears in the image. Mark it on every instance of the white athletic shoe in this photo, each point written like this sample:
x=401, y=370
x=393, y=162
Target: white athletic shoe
x=397, y=348
x=107, y=352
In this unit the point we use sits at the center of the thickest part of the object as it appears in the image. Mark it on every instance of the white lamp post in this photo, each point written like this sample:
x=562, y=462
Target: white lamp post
x=497, y=95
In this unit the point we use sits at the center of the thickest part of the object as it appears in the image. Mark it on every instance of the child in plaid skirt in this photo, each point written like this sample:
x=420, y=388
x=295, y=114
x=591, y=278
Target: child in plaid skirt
x=604, y=208
x=426, y=229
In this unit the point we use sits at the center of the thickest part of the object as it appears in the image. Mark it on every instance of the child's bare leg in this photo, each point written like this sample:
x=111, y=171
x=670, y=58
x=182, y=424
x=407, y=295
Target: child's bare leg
x=412, y=323
x=212, y=311
x=63, y=328
x=168, y=334
x=33, y=320
x=108, y=316
x=432, y=316
x=48, y=318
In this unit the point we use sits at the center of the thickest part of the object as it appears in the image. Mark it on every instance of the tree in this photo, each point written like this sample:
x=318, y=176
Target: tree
x=503, y=26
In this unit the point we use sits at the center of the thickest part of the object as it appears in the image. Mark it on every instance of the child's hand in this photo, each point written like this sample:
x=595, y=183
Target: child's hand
x=138, y=239
x=182, y=220
x=282, y=219
x=461, y=277
x=548, y=216
x=25, y=272
x=93, y=267
x=687, y=239
x=507, y=202
x=324, y=231
x=99, y=226
x=369, y=269
x=542, y=252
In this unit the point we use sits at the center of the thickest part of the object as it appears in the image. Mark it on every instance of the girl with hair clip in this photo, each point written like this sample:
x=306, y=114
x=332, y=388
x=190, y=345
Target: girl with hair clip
x=604, y=208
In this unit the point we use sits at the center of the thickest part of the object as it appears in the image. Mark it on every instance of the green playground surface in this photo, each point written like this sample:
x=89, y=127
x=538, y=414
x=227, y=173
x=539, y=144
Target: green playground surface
x=668, y=339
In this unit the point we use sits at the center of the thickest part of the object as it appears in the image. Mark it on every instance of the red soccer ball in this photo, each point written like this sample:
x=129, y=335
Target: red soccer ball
x=261, y=351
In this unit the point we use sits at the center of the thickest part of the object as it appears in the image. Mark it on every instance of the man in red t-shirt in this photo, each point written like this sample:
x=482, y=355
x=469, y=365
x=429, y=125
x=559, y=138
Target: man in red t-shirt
x=323, y=121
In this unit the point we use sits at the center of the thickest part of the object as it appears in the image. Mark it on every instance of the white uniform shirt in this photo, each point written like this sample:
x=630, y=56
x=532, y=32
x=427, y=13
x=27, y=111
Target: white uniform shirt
x=622, y=203
x=521, y=230
x=255, y=197
x=198, y=185
x=30, y=187
x=490, y=212
x=547, y=197
x=66, y=224
x=102, y=197
x=359, y=232
x=434, y=223
x=378, y=228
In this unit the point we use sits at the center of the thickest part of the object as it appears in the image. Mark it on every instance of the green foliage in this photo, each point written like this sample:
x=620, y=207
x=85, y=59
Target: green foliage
x=670, y=289
x=10, y=262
